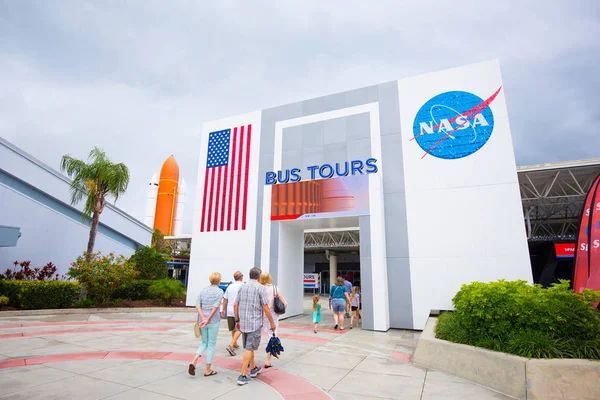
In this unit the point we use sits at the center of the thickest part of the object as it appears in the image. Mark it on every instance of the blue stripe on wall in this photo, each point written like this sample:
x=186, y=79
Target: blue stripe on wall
x=62, y=208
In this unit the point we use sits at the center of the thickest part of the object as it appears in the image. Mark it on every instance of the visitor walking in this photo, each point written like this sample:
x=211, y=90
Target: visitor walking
x=207, y=306
x=251, y=306
x=348, y=285
x=354, y=304
x=338, y=297
x=316, y=311
x=228, y=300
x=273, y=292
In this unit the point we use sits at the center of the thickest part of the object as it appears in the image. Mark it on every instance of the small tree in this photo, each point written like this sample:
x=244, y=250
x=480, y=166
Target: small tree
x=158, y=241
x=149, y=263
x=102, y=275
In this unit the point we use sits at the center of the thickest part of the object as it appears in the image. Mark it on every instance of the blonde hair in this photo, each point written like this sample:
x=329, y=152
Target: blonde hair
x=215, y=278
x=339, y=281
x=354, y=293
x=315, y=301
x=265, y=278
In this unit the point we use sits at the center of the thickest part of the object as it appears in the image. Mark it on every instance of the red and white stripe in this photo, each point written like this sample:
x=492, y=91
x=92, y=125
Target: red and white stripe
x=225, y=202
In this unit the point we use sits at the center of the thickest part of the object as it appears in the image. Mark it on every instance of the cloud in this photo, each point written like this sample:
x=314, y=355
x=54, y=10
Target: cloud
x=138, y=78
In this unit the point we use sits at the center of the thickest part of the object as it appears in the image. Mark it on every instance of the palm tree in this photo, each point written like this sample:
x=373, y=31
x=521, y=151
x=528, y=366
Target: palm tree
x=95, y=181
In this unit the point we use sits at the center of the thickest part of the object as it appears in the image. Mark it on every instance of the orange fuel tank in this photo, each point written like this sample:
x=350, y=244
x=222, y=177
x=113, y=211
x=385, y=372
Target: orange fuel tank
x=167, y=197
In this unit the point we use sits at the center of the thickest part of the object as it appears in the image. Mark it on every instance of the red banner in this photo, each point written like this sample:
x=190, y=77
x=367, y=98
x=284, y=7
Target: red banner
x=587, y=256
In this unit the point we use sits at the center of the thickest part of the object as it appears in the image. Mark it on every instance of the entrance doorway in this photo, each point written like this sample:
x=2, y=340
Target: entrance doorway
x=288, y=262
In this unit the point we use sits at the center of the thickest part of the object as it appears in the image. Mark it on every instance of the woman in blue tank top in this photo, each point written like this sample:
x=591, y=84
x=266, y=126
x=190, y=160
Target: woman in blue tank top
x=337, y=300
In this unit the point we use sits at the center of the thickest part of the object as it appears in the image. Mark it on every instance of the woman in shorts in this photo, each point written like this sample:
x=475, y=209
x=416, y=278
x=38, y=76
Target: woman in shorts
x=338, y=296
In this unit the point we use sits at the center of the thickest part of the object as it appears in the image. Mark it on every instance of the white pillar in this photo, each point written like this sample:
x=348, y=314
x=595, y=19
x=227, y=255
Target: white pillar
x=332, y=270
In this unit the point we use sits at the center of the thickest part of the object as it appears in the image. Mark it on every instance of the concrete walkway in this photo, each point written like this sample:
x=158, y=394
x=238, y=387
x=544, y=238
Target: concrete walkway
x=145, y=355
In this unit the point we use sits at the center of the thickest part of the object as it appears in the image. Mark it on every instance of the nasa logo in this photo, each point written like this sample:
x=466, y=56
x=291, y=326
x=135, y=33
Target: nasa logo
x=454, y=124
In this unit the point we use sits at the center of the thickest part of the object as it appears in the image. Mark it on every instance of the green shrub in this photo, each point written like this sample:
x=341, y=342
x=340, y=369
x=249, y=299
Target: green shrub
x=12, y=290
x=40, y=294
x=167, y=289
x=137, y=290
x=527, y=320
x=84, y=303
x=49, y=294
x=149, y=263
x=118, y=302
x=3, y=300
x=102, y=275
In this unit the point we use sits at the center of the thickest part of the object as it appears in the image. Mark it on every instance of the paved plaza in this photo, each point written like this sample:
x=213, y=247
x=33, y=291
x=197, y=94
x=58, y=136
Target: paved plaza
x=134, y=355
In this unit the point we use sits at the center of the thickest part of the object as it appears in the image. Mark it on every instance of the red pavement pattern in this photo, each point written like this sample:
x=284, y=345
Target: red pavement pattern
x=289, y=386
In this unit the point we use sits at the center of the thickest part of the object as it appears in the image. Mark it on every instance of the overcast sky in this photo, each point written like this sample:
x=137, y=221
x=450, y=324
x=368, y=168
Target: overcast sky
x=138, y=78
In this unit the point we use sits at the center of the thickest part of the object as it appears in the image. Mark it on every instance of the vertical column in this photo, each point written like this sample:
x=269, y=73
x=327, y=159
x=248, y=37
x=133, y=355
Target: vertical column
x=291, y=203
x=319, y=197
x=314, y=192
x=274, y=201
x=297, y=197
x=332, y=270
x=282, y=199
x=302, y=198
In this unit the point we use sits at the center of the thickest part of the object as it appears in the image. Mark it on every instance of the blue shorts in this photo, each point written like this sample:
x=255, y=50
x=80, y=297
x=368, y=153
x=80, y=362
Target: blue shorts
x=338, y=305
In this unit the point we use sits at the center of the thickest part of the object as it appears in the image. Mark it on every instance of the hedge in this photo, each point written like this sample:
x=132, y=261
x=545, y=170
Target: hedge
x=40, y=294
x=523, y=319
x=60, y=294
x=138, y=290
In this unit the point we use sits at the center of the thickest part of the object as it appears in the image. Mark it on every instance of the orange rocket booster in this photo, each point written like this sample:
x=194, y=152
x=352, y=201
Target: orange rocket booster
x=167, y=197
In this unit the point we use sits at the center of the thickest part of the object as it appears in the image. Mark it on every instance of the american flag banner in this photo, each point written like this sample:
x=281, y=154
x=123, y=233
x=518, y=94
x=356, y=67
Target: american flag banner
x=225, y=200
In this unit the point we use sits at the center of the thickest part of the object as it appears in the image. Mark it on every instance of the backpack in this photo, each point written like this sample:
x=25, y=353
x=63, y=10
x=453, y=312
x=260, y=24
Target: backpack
x=278, y=305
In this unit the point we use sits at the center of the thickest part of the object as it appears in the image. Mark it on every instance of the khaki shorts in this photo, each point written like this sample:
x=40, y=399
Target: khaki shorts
x=231, y=324
x=251, y=340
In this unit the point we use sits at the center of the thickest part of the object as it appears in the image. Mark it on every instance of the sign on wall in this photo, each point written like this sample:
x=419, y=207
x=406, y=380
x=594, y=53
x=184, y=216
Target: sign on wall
x=565, y=250
x=323, y=198
x=311, y=281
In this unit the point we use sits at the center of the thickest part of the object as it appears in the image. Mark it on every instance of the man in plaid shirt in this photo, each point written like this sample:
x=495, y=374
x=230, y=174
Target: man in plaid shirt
x=251, y=304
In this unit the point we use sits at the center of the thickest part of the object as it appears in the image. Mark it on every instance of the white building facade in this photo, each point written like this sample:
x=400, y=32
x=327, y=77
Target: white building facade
x=439, y=204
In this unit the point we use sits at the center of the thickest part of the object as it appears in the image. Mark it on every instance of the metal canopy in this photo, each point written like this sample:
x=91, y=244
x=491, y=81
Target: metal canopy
x=553, y=195
x=341, y=238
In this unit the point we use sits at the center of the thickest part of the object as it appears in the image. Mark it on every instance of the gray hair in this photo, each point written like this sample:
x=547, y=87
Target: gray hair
x=255, y=273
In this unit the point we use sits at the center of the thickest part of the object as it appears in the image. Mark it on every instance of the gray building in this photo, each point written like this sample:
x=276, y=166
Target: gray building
x=38, y=223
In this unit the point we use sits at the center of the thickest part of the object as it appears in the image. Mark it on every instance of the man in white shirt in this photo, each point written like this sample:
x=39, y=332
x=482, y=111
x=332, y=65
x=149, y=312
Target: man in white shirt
x=228, y=301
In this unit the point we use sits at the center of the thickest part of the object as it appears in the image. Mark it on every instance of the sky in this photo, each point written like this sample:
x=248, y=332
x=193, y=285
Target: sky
x=138, y=78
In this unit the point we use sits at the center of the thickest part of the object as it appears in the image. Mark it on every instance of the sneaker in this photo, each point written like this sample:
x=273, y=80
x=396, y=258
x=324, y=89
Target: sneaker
x=230, y=350
x=255, y=371
x=243, y=380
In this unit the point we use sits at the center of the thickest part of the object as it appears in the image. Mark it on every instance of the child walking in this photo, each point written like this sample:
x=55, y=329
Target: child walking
x=355, y=305
x=316, y=311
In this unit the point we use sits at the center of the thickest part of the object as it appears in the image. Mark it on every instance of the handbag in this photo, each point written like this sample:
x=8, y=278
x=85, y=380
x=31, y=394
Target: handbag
x=197, y=330
x=278, y=305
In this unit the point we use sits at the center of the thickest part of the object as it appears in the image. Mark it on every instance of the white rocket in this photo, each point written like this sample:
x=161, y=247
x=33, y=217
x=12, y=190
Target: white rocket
x=178, y=229
x=151, y=201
